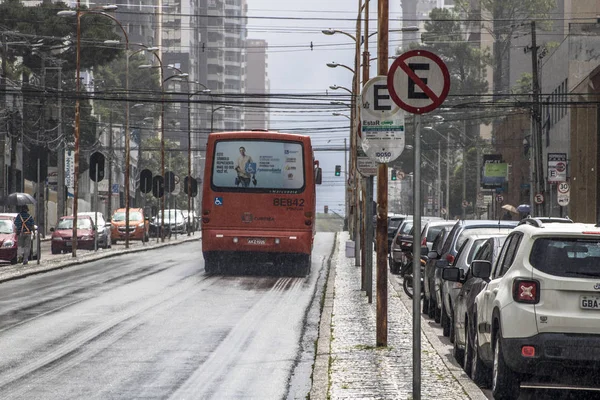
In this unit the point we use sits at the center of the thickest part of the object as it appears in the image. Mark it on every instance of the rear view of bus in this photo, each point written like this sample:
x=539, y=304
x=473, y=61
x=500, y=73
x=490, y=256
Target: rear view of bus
x=258, y=200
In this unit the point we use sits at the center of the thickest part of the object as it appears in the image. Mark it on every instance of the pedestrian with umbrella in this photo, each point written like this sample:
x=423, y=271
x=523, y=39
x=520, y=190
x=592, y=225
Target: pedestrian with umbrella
x=24, y=223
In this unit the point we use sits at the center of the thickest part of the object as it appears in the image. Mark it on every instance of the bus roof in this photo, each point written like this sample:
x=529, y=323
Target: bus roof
x=257, y=134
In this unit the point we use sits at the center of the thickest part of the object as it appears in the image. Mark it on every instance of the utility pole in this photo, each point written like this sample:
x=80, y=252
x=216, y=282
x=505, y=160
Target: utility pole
x=110, y=164
x=4, y=107
x=464, y=171
x=538, y=167
x=382, y=190
x=60, y=175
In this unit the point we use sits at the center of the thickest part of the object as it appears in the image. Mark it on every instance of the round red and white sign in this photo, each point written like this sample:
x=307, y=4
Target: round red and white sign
x=538, y=198
x=563, y=187
x=499, y=198
x=418, y=81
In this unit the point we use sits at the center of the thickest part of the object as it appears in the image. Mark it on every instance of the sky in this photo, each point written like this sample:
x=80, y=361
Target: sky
x=289, y=28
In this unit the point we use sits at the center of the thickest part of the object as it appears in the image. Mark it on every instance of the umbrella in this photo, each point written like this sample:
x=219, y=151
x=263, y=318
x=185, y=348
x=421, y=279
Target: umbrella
x=524, y=208
x=510, y=208
x=19, y=199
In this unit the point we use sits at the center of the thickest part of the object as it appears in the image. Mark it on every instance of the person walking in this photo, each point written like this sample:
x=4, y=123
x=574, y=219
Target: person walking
x=25, y=228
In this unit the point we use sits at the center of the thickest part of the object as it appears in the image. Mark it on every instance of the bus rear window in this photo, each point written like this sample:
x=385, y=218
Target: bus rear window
x=258, y=165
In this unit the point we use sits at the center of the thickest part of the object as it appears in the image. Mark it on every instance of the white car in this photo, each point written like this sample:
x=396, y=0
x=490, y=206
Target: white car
x=102, y=227
x=541, y=308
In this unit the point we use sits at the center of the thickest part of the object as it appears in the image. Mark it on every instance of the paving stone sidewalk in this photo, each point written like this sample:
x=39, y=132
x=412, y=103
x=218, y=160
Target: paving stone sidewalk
x=359, y=370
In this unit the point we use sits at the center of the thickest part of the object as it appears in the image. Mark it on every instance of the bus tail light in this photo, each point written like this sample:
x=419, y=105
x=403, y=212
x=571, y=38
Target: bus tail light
x=526, y=291
x=205, y=220
x=235, y=240
x=277, y=240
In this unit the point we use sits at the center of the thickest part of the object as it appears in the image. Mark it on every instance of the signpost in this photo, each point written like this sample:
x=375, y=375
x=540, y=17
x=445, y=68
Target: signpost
x=382, y=122
x=418, y=82
x=564, y=194
x=538, y=198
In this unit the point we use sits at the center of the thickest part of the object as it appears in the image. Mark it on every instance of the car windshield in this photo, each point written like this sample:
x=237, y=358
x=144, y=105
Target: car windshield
x=394, y=223
x=432, y=232
x=566, y=256
x=6, y=226
x=133, y=216
x=480, y=231
x=65, y=224
x=406, y=228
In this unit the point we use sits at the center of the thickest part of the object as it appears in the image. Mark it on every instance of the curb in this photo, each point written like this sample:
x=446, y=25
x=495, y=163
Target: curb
x=320, y=376
x=18, y=271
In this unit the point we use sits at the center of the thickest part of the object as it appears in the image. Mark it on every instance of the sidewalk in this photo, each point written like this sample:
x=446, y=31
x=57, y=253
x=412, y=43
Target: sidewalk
x=9, y=272
x=349, y=366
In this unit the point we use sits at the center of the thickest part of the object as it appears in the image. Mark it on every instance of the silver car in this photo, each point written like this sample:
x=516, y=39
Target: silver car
x=102, y=227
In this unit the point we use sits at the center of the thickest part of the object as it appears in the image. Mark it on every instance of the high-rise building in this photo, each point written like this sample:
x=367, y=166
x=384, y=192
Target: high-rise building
x=257, y=84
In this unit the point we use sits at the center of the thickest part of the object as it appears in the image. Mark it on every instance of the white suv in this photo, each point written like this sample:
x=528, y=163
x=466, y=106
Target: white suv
x=541, y=308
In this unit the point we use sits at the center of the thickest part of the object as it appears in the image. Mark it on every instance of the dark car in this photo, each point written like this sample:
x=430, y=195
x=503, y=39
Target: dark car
x=436, y=246
x=62, y=235
x=464, y=306
x=396, y=256
x=443, y=258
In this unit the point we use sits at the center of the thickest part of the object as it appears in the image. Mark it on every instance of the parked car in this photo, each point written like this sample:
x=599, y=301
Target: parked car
x=450, y=290
x=537, y=315
x=8, y=239
x=456, y=237
x=463, y=307
x=428, y=281
x=139, y=227
x=102, y=228
x=397, y=258
x=191, y=221
x=62, y=235
x=175, y=222
x=394, y=222
x=431, y=229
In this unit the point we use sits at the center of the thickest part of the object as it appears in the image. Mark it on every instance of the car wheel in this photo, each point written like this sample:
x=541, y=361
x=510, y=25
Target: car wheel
x=458, y=353
x=479, y=372
x=437, y=313
x=468, y=356
x=445, y=321
x=505, y=382
x=14, y=260
x=452, y=336
x=432, y=307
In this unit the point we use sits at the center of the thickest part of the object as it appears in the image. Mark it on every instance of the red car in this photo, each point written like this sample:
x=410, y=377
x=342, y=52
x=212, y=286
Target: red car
x=62, y=235
x=8, y=239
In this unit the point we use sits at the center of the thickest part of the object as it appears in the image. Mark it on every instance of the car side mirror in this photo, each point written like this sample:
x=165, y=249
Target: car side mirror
x=319, y=176
x=433, y=255
x=451, y=274
x=481, y=269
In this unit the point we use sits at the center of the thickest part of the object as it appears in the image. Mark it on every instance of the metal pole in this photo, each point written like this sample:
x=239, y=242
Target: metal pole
x=346, y=178
x=96, y=211
x=464, y=172
x=369, y=252
x=438, y=185
x=162, y=152
x=537, y=133
x=354, y=141
x=417, y=263
x=3, y=134
x=110, y=162
x=37, y=210
x=60, y=175
x=382, y=191
x=77, y=110
x=127, y=141
x=447, y=175
x=189, y=185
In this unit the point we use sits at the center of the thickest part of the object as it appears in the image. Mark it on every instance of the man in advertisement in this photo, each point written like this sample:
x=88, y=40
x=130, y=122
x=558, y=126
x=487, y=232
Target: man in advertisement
x=245, y=168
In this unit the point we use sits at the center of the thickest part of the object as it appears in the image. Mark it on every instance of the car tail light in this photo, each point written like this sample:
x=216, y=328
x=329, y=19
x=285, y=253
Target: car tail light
x=528, y=351
x=526, y=291
x=450, y=258
x=424, y=242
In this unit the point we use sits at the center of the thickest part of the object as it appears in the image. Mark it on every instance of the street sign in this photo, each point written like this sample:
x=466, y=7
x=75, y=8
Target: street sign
x=443, y=211
x=366, y=166
x=563, y=187
x=418, y=81
x=564, y=194
x=499, y=198
x=382, y=122
x=538, y=198
x=401, y=175
x=69, y=168
x=557, y=167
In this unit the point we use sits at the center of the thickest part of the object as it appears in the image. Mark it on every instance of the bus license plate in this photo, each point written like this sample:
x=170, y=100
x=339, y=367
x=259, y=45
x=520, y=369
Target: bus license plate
x=590, y=302
x=257, y=241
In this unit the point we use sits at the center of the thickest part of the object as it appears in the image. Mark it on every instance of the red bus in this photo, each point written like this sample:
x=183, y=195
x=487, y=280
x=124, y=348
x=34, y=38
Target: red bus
x=259, y=200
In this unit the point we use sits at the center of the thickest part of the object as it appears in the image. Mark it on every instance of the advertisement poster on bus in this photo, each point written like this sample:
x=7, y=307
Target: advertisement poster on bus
x=254, y=164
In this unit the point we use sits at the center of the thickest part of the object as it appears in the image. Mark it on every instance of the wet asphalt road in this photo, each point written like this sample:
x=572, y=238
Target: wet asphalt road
x=153, y=325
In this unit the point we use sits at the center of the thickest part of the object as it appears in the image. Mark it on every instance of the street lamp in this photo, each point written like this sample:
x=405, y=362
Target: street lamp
x=212, y=113
x=162, y=132
x=78, y=13
x=336, y=87
x=447, y=138
x=337, y=114
x=335, y=65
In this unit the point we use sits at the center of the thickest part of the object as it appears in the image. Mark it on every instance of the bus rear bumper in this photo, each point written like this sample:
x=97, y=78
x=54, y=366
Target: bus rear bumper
x=220, y=240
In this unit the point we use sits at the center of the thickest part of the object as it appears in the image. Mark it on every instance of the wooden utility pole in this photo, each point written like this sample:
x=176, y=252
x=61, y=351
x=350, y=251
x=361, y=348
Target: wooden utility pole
x=538, y=166
x=382, y=190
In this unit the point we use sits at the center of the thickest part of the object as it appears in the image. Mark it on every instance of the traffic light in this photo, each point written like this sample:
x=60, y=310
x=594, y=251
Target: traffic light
x=338, y=170
x=394, y=174
x=146, y=181
x=97, y=166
